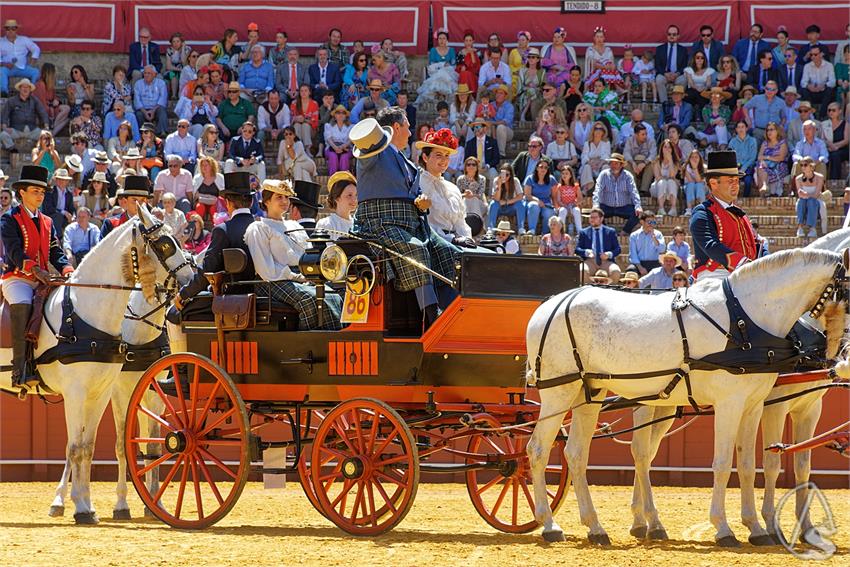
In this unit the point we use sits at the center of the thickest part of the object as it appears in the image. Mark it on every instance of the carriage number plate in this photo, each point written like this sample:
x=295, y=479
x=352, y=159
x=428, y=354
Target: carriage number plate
x=355, y=309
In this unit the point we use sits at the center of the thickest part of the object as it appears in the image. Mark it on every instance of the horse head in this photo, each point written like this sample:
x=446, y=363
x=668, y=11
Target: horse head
x=156, y=256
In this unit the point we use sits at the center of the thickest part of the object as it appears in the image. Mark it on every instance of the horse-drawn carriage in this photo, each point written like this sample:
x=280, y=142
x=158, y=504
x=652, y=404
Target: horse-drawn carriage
x=366, y=410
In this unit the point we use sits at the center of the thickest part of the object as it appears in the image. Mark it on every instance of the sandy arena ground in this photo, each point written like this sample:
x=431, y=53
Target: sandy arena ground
x=280, y=527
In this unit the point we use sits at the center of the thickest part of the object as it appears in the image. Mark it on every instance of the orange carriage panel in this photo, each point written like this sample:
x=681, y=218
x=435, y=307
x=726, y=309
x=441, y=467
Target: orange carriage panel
x=481, y=326
x=353, y=358
x=242, y=357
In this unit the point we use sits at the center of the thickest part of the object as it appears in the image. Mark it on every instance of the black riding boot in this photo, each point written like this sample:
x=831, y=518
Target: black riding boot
x=22, y=374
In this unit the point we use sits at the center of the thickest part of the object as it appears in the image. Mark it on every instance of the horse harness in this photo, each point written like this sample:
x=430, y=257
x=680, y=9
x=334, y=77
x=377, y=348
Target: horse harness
x=749, y=348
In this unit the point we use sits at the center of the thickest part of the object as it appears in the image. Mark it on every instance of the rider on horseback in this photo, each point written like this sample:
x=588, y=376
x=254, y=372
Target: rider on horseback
x=31, y=242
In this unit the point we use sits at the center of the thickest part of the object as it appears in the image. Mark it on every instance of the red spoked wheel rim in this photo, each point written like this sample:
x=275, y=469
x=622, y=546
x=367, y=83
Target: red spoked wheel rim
x=305, y=475
x=201, y=435
x=505, y=497
x=365, y=467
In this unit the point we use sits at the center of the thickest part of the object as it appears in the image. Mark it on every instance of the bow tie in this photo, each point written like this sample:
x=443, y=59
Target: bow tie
x=737, y=211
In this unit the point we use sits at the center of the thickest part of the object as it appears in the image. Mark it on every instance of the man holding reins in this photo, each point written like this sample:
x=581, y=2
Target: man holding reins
x=31, y=243
x=723, y=237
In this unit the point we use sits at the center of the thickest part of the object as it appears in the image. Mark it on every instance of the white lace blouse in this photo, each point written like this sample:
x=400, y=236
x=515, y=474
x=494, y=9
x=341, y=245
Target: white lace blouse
x=273, y=251
x=448, y=211
x=335, y=223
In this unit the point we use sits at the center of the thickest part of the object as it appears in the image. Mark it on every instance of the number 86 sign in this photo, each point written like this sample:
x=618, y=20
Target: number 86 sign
x=355, y=309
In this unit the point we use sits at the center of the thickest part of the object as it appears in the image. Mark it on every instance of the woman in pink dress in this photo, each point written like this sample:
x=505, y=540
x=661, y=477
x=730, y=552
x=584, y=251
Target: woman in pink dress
x=558, y=59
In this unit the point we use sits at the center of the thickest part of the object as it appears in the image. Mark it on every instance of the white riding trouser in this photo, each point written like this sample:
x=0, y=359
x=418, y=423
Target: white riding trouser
x=18, y=290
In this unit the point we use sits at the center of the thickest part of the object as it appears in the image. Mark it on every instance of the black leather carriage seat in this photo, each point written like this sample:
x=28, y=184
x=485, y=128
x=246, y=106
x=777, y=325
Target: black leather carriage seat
x=271, y=315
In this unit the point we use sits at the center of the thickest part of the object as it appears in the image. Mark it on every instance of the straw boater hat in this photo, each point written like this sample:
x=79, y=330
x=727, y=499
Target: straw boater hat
x=101, y=158
x=62, y=173
x=601, y=277
x=99, y=176
x=717, y=90
x=279, y=186
x=233, y=85
x=377, y=84
x=369, y=138
x=724, y=163
x=504, y=226
x=32, y=175
x=532, y=51
x=678, y=89
x=341, y=175
x=791, y=90
x=24, y=83
x=341, y=108
x=74, y=163
x=502, y=87
x=672, y=255
x=132, y=153
x=616, y=157
x=629, y=276
x=479, y=120
x=442, y=139
x=805, y=104
x=746, y=88
x=3, y=176
x=463, y=88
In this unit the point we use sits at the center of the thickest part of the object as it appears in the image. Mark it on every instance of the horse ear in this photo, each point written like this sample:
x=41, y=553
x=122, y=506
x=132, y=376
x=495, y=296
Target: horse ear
x=145, y=215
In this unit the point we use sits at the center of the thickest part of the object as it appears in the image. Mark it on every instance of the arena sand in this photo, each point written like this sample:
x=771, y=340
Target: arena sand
x=280, y=527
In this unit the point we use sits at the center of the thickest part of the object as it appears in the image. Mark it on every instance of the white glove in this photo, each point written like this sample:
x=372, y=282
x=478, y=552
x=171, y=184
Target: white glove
x=588, y=253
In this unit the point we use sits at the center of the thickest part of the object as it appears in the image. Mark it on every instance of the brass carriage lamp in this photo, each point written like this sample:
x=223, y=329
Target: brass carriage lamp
x=323, y=262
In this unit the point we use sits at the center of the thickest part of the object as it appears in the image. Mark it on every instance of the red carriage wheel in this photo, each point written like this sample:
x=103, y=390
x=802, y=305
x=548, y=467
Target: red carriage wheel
x=305, y=475
x=365, y=467
x=202, y=449
x=504, y=496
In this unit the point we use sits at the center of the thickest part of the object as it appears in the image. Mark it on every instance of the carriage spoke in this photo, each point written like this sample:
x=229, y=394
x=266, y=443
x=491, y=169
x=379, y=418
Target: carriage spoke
x=358, y=499
x=371, y=493
x=168, y=478
x=346, y=486
x=373, y=435
x=393, y=460
x=501, y=498
x=550, y=494
x=217, y=462
x=137, y=440
x=332, y=476
x=209, y=479
x=180, y=397
x=386, y=441
x=207, y=406
x=493, y=481
x=344, y=436
x=179, y=507
x=196, y=381
x=165, y=399
x=527, y=493
x=387, y=476
x=198, y=499
x=326, y=484
x=220, y=419
x=156, y=418
x=494, y=445
x=358, y=430
x=154, y=464
x=334, y=453
x=384, y=495
x=515, y=500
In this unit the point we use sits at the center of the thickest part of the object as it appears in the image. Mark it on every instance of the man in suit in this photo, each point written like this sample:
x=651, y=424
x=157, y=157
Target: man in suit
x=711, y=48
x=525, y=162
x=391, y=208
x=485, y=148
x=238, y=198
x=290, y=76
x=598, y=246
x=59, y=203
x=791, y=71
x=759, y=75
x=678, y=111
x=142, y=53
x=246, y=153
x=324, y=75
x=746, y=50
x=671, y=58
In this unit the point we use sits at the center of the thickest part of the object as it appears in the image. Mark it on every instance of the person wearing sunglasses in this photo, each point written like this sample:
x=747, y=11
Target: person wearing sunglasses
x=765, y=71
x=710, y=47
x=671, y=58
x=646, y=244
x=818, y=82
x=18, y=56
x=764, y=109
x=233, y=112
x=790, y=69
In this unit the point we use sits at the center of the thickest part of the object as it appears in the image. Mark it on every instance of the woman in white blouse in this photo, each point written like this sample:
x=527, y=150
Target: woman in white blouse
x=276, y=245
x=597, y=149
x=581, y=126
x=337, y=144
x=292, y=157
x=447, y=215
x=342, y=198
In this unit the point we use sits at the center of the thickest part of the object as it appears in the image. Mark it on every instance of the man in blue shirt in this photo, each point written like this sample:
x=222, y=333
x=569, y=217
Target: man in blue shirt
x=812, y=147
x=646, y=244
x=746, y=153
x=661, y=277
x=765, y=108
x=598, y=246
x=503, y=122
x=616, y=193
x=150, y=100
x=114, y=119
x=256, y=77
x=746, y=50
x=80, y=237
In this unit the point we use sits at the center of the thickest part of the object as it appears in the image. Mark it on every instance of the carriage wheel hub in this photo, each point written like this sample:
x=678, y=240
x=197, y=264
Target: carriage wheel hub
x=352, y=468
x=175, y=442
x=508, y=468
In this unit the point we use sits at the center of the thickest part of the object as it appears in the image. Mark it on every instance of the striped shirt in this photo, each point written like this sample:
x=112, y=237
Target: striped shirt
x=616, y=190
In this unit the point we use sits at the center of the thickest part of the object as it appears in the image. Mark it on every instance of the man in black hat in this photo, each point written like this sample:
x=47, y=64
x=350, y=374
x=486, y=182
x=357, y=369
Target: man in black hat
x=305, y=205
x=31, y=243
x=723, y=237
x=238, y=197
x=136, y=190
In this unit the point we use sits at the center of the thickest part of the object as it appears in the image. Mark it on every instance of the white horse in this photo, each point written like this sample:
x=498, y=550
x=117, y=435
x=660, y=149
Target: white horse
x=135, y=333
x=86, y=386
x=614, y=329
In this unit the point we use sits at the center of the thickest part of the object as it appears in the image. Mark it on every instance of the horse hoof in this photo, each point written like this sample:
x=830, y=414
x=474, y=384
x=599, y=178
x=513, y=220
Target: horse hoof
x=638, y=532
x=599, y=539
x=775, y=539
x=121, y=515
x=659, y=534
x=149, y=513
x=761, y=540
x=728, y=541
x=56, y=511
x=553, y=536
x=86, y=518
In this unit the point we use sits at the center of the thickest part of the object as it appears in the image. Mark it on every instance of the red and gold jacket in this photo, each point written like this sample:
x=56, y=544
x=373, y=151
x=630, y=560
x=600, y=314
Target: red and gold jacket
x=27, y=245
x=723, y=237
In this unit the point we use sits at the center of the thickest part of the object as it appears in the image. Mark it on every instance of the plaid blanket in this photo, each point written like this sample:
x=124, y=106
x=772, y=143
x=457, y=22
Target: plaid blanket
x=302, y=296
x=400, y=228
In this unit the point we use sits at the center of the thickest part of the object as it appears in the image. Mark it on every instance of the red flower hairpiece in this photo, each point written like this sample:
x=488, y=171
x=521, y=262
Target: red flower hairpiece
x=598, y=29
x=442, y=137
x=438, y=31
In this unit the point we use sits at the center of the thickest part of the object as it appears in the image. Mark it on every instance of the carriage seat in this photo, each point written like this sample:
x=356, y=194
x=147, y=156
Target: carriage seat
x=281, y=316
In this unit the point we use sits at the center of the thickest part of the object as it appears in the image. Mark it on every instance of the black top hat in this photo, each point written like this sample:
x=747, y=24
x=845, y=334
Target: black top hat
x=475, y=223
x=33, y=175
x=307, y=195
x=135, y=186
x=724, y=163
x=237, y=183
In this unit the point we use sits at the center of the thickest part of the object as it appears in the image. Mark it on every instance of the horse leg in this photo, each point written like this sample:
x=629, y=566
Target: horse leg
x=578, y=448
x=655, y=530
x=772, y=423
x=120, y=401
x=805, y=421
x=57, y=508
x=727, y=418
x=554, y=404
x=747, y=431
x=640, y=448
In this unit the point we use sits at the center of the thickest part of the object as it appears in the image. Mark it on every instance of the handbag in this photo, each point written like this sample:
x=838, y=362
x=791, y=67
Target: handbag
x=235, y=312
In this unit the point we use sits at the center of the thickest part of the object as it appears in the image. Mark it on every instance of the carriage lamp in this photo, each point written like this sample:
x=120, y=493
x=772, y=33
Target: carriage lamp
x=323, y=262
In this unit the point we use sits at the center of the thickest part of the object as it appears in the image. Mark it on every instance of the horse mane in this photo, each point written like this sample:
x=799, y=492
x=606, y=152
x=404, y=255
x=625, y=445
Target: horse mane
x=829, y=240
x=779, y=260
x=147, y=274
x=833, y=325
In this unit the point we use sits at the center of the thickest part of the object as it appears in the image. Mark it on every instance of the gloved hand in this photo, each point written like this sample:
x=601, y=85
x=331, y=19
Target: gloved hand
x=588, y=253
x=41, y=275
x=463, y=242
